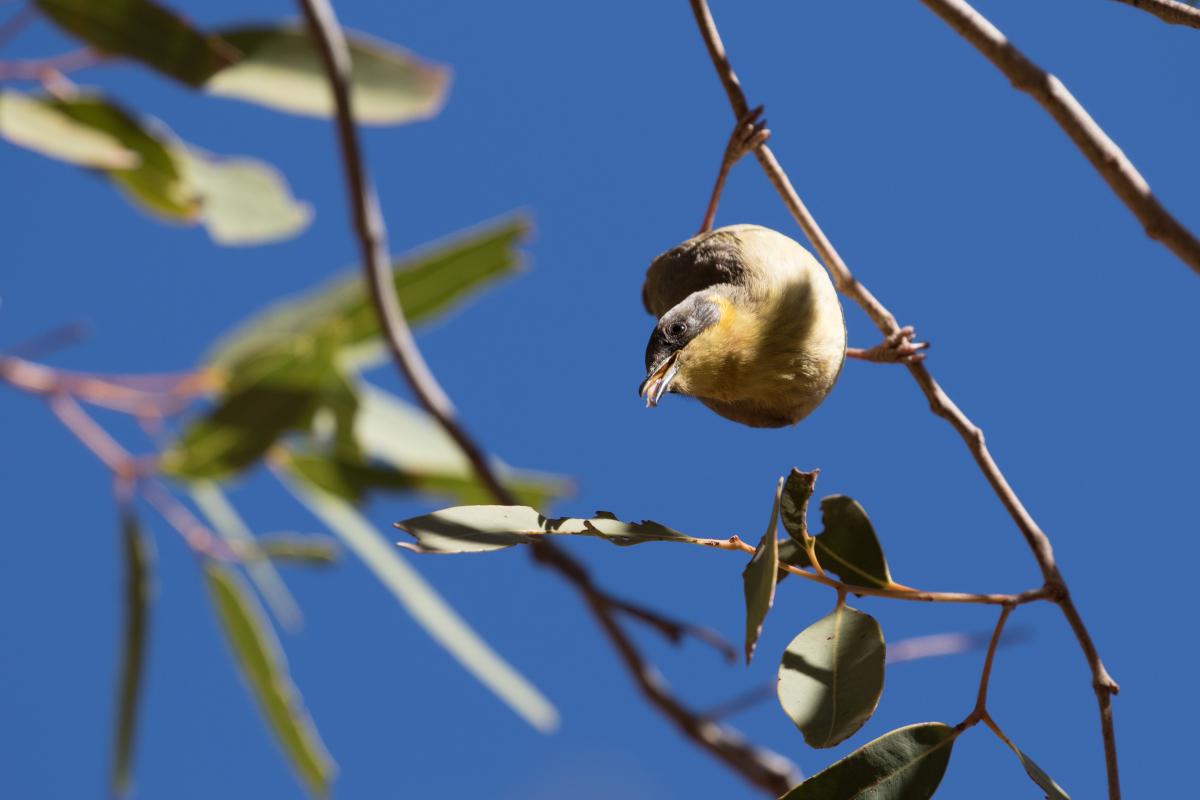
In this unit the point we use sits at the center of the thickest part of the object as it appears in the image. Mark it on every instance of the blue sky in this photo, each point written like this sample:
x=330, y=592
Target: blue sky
x=1056, y=324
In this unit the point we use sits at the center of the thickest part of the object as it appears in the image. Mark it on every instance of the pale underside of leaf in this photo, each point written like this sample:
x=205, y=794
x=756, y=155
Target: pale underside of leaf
x=36, y=125
x=759, y=578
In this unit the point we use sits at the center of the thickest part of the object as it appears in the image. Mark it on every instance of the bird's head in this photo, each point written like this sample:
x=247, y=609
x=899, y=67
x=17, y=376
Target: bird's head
x=686, y=345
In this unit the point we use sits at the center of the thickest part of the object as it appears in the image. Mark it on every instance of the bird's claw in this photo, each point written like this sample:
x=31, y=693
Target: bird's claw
x=748, y=134
x=898, y=348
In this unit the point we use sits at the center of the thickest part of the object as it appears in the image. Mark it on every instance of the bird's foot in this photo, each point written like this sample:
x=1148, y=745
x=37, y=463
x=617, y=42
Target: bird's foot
x=899, y=348
x=748, y=134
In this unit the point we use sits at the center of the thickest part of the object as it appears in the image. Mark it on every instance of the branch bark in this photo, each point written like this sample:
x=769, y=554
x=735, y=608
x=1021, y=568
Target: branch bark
x=1105, y=156
x=1169, y=11
x=939, y=402
x=770, y=772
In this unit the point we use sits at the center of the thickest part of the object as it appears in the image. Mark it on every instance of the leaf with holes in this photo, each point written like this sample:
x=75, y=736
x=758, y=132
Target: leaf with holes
x=145, y=31
x=481, y=529
x=904, y=764
x=793, y=505
x=758, y=579
x=281, y=69
x=831, y=676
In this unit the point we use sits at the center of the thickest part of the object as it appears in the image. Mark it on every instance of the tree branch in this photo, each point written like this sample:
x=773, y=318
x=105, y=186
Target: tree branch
x=1169, y=11
x=768, y=771
x=939, y=402
x=1103, y=153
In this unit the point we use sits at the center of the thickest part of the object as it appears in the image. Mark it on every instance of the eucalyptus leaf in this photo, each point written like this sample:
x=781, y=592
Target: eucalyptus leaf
x=281, y=68
x=265, y=670
x=244, y=201
x=758, y=579
x=831, y=676
x=145, y=31
x=904, y=764
x=428, y=282
x=847, y=546
x=483, y=528
x=426, y=606
x=36, y=124
x=294, y=548
x=228, y=524
x=1038, y=775
x=138, y=552
x=793, y=507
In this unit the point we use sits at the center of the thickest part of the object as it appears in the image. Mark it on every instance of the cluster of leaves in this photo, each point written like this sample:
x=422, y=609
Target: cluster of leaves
x=288, y=384
x=830, y=675
x=238, y=200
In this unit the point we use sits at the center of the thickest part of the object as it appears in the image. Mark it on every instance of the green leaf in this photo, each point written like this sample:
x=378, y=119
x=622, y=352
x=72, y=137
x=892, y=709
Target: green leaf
x=427, y=282
x=426, y=606
x=831, y=676
x=156, y=182
x=266, y=396
x=228, y=524
x=758, y=579
x=244, y=201
x=1038, y=775
x=481, y=529
x=793, y=507
x=36, y=124
x=314, y=550
x=145, y=31
x=904, y=764
x=139, y=558
x=281, y=69
x=265, y=670
x=847, y=547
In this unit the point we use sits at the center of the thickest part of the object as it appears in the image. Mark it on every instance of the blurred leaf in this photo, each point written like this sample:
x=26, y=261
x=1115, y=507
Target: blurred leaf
x=1038, y=775
x=847, y=547
x=317, y=550
x=228, y=524
x=480, y=529
x=156, y=182
x=428, y=283
x=267, y=395
x=35, y=124
x=145, y=31
x=281, y=69
x=265, y=670
x=793, y=506
x=831, y=676
x=245, y=201
x=426, y=606
x=758, y=579
x=139, y=588
x=904, y=764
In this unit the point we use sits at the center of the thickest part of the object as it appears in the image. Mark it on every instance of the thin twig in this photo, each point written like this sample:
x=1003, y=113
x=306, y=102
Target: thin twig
x=1104, y=154
x=985, y=677
x=39, y=68
x=93, y=437
x=1169, y=11
x=766, y=770
x=142, y=395
x=195, y=533
x=16, y=23
x=939, y=402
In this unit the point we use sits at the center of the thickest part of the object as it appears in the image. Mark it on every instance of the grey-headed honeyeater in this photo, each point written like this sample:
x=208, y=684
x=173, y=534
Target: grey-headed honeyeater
x=748, y=323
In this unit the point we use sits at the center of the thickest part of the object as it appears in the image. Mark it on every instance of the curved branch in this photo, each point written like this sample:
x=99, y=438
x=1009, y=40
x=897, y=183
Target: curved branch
x=939, y=402
x=771, y=772
x=1169, y=11
x=1105, y=156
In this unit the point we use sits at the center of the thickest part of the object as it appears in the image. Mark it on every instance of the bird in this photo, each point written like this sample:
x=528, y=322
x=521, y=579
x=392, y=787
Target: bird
x=748, y=323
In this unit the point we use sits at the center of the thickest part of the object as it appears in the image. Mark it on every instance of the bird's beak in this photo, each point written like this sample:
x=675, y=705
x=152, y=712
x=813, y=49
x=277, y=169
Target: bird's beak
x=659, y=380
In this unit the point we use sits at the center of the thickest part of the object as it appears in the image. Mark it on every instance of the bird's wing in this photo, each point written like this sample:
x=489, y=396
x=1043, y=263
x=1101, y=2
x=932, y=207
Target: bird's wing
x=700, y=262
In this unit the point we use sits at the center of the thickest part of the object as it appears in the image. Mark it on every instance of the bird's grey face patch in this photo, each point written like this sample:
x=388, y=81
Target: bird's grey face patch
x=679, y=326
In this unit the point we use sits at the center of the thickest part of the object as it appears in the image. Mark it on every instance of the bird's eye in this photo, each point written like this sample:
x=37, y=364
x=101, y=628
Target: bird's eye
x=677, y=328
